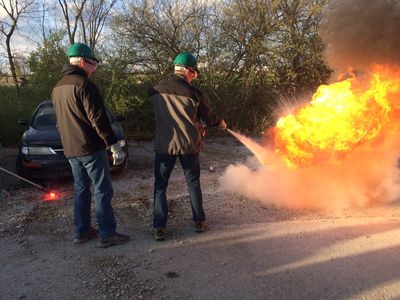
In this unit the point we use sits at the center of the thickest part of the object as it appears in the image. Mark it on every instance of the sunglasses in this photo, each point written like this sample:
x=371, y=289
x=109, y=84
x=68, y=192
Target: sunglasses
x=95, y=64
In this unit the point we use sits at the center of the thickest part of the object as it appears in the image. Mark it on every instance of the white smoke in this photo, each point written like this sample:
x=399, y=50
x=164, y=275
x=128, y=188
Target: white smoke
x=365, y=177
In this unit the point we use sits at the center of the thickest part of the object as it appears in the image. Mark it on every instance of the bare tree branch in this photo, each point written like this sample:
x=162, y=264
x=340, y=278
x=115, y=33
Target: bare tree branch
x=95, y=17
x=89, y=18
x=76, y=8
x=14, y=10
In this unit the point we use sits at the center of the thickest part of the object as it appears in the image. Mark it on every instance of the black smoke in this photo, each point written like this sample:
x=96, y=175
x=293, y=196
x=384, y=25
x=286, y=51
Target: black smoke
x=358, y=33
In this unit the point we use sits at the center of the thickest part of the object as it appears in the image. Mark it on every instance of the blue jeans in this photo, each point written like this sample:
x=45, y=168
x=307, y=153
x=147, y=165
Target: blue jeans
x=164, y=165
x=93, y=169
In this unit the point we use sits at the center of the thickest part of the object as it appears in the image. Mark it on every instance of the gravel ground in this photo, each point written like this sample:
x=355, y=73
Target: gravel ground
x=39, y=261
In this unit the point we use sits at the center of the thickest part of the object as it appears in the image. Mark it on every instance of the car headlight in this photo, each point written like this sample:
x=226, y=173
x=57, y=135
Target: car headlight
x=37, y=150
x=122, y=143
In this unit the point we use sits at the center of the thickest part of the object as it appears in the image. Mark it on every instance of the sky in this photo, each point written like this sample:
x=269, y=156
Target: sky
x=28, y=34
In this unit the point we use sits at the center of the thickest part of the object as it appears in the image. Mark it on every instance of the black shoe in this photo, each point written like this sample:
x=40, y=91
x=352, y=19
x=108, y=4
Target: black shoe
x=200, y=227
x=117, y=239
x=159, y=234
x=92, y=233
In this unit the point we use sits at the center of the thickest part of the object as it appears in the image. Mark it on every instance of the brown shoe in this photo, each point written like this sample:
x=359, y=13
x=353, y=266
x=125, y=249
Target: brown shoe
x=92, y=233
x=117, y=239
x=159, y=234
x=200, y=227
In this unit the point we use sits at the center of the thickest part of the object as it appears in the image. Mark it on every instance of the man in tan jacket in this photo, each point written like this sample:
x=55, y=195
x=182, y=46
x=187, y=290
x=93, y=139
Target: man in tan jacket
x=86, y=131
x=179, y=109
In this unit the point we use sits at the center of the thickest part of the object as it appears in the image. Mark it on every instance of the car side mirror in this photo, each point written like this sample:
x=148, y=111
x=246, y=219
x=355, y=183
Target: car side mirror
x=23, y=122
x=120, y=118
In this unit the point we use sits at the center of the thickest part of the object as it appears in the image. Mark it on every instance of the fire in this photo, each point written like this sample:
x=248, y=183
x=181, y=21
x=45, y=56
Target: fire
x=51, y=196
x=340, y=117
x=340, y=151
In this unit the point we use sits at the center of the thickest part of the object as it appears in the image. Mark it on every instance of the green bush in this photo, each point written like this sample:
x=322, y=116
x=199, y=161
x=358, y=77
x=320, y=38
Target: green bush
x=15, y=107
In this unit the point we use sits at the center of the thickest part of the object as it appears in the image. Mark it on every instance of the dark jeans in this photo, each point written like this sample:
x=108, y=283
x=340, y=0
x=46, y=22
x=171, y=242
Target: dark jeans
x=93, y=169
x=164, y=165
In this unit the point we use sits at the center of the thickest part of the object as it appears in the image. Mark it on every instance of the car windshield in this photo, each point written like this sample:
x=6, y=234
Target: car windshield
x=45, y=116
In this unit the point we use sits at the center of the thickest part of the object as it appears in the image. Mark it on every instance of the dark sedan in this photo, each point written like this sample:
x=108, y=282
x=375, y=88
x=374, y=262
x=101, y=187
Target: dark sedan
x=41, y=155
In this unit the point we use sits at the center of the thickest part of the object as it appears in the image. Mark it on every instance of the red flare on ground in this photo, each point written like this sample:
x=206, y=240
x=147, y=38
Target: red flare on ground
x=51, y=196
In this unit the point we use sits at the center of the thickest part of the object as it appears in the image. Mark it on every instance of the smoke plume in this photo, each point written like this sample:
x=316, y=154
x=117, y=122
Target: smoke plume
x=358, y=33
x=364, y=178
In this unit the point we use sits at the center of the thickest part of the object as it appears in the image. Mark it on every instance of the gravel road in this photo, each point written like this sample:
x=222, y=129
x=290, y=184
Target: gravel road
x=252, y=250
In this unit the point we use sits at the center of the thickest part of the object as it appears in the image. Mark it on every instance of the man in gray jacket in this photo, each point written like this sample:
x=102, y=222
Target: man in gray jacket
x=179, y=109
x=86, y=131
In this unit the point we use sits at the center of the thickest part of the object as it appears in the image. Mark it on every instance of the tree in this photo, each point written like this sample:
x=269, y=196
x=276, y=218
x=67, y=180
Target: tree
x=157, y=30
x=86, y=18
x=14, y=9
x=300, y=65
x=263, y=51
x=75, y=8
x=251, y=52
x=46, y=63
x=147, y=35
x=240, y=51
x=93, y=19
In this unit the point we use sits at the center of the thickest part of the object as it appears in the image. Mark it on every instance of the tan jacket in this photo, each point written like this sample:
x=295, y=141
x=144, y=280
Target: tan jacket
x=81, y=114
x=179, y=109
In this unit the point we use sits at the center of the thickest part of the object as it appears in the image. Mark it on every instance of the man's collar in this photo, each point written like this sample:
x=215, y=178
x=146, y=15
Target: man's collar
x=69, y=69
x=181, y=76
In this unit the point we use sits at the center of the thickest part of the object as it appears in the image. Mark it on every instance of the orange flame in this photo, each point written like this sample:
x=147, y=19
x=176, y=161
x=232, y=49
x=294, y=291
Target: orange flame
x=341, y=117
x=51, y=196
x=340, y=151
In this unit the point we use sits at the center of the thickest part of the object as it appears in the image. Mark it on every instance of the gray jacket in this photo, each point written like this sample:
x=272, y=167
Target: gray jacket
x=179, y=109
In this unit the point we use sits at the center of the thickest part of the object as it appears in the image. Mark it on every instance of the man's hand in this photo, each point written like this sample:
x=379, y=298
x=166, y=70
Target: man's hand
x=118, y=154
x=222, y=124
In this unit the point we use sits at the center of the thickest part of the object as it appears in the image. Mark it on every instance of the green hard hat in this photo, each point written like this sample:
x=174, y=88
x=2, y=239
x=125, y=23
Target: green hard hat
x=81, y=50
x=186, y=59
